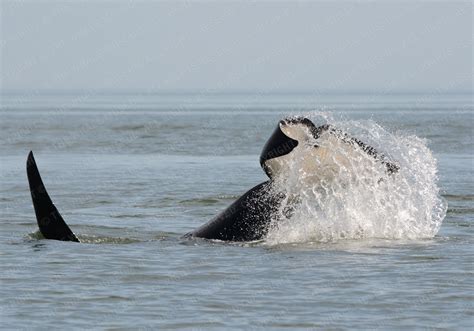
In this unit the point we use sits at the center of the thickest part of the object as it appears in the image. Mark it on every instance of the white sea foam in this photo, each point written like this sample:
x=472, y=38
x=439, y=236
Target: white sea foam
x=362, y=200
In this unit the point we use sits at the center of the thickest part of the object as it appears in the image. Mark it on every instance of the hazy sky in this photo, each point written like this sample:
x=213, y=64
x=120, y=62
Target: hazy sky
x=350, y=45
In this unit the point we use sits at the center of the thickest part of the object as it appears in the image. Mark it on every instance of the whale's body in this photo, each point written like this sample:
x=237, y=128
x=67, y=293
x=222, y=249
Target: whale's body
x=323, y=151
x=246, y=219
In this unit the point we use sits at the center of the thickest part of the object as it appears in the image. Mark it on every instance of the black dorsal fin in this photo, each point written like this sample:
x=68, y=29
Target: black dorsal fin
x=50, y=221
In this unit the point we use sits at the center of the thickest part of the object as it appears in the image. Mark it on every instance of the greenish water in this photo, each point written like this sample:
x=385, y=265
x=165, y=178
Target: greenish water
x=132, y=173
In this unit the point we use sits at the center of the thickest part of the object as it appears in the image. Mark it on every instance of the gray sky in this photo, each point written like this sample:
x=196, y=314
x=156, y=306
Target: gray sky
x=344, y=46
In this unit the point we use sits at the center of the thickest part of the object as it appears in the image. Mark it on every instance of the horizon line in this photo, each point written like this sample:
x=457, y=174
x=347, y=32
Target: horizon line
x=232, y=91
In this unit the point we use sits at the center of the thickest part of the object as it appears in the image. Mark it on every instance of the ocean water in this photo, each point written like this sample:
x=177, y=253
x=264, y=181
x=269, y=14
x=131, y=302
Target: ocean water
x=132, y=172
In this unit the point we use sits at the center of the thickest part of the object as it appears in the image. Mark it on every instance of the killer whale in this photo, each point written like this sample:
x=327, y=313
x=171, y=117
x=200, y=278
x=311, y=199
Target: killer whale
x=249, y=217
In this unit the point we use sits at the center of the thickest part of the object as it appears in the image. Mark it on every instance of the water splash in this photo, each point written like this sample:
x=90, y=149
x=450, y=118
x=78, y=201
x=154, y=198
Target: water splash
x=352, y=196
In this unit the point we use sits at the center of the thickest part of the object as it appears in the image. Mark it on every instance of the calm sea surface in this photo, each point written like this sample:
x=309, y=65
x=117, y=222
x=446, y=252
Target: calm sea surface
x=131, y=173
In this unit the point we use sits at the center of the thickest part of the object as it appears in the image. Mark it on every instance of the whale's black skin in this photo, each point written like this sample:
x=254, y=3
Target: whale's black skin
x=278, y=145
x=50, y=221
x=247, y=219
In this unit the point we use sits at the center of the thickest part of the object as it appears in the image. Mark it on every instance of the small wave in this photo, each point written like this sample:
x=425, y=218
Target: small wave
x=463, y=197
x=208, y=201
x=129, y=127
x=199, y=202
x=150, y=127
x=129, y=215
x=104, y=239
x=106, y=298
x=35, y=235
x=460, y=211
x=91, y=239
x=194, y=241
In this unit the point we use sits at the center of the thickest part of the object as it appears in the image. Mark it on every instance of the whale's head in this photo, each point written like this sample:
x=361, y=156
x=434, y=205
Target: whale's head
x=290, y=134
x=317, y=152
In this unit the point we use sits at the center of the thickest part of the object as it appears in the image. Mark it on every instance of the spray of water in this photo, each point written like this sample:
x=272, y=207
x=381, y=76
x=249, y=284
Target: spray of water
x=352, y=196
